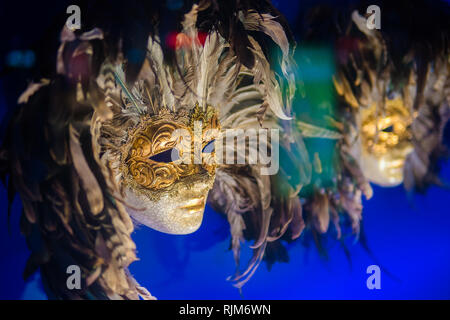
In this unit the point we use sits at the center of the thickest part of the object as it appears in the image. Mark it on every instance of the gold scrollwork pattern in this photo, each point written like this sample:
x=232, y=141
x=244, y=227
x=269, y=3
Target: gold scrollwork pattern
x=156, y=136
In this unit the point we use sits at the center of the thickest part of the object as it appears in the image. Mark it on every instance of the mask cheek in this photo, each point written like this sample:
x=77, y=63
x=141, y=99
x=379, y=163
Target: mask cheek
x=169, y=214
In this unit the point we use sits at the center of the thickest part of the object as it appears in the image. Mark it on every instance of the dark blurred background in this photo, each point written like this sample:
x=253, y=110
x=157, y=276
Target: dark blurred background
x=408, y=237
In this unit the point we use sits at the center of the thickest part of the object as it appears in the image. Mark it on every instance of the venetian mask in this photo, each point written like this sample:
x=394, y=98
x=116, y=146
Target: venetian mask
x=385, y=141
x=168, y=165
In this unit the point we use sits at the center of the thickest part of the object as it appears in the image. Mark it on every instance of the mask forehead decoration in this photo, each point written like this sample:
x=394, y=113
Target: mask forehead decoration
x=155, y=157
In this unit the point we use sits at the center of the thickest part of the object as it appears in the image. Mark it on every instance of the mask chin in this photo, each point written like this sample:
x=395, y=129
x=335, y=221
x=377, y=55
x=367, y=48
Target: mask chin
x=385, y=171
x=179, y=212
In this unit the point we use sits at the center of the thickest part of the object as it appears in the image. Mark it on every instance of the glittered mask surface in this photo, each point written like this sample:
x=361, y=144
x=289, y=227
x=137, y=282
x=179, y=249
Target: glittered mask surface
x=161, y=171
x=386, y=141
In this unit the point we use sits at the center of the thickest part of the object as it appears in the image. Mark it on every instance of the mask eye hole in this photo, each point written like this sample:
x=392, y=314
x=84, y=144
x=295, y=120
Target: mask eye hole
x=209, y=148
x=388, y=129
x=166, y=156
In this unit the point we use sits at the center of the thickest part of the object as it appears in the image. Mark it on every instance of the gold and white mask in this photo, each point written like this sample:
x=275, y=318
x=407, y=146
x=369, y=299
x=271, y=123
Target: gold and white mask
x=164, y=183
x=385, y=141
x=159, y=170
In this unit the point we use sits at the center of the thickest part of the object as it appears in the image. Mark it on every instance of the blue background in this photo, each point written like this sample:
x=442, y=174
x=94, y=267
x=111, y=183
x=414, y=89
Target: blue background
x=410, y=238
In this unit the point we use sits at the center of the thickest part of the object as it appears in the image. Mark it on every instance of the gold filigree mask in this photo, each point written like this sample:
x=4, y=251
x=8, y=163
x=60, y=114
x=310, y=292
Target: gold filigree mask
x=162, y=169
x=386, y=141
